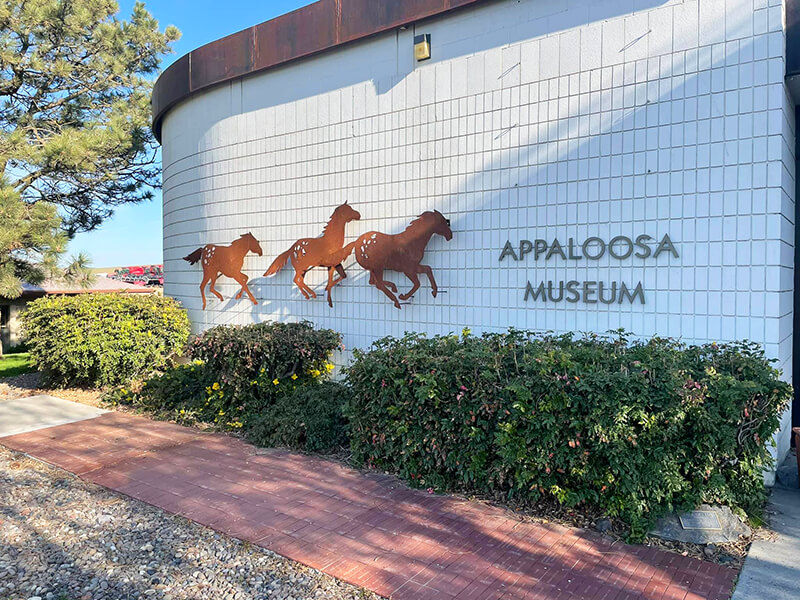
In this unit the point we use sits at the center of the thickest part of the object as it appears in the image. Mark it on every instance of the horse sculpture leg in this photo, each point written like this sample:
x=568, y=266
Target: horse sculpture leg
x=333, y=282
x=203, y=289
x=429, y=272
x=412, y=276
x=238, y=279
x=242, y=279
x=384, y=287
x=300, y=283
x=214, y=290
x=388, y=283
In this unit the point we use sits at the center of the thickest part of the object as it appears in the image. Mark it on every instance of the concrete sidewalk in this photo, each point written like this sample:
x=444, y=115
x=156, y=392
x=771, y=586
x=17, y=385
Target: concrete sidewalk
x=772, y=568
x=20, y=415
x=365, y=528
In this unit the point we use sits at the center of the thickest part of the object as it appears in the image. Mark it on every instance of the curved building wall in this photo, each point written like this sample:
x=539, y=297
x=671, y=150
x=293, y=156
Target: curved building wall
x=534, y=120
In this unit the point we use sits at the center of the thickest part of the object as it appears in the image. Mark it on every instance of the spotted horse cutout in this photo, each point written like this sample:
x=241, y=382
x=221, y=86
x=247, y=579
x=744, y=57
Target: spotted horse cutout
x=225, y=260
x=403, y=252
x=325, y=251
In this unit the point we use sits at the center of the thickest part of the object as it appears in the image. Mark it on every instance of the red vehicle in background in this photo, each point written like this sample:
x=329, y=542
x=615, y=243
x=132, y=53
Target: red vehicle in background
x=140, y=275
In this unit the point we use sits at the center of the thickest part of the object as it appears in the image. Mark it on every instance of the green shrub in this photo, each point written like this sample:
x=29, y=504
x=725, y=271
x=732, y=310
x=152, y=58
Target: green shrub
x=237, y=374
x=103, y=339
x=308, y=418
x=632, y=428
x=250, y=365
x=179, y=393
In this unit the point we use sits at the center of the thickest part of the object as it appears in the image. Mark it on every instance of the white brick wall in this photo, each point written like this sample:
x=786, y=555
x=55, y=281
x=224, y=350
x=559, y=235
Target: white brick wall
x=534, y=119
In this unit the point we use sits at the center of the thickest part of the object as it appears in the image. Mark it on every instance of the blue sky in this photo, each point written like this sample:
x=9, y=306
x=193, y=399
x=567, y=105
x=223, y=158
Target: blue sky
x=133, y=235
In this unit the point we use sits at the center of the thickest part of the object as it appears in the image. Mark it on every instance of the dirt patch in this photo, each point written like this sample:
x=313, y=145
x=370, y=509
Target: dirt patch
x=30, y=384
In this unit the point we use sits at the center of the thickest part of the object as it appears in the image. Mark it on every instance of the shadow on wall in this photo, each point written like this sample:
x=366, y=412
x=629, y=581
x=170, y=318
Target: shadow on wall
x=525, y=161
x=637, y=178
x=390, y=65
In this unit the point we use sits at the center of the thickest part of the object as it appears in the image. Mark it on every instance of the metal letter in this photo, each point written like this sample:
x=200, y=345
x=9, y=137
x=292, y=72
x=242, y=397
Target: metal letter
x=572, y=288
x=540, y=247
x=529, y=291
x=571, y=246
x=560, y=291
x=601, y=288
x=588, y=288
x=666, y=244
x=640, y=242
x=624, y=292
x=627, y=240
x=586, y=246
x=508, y=250
x=556, y=249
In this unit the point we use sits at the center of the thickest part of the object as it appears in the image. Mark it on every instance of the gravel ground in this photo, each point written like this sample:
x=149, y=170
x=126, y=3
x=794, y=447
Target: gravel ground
x=65, y=539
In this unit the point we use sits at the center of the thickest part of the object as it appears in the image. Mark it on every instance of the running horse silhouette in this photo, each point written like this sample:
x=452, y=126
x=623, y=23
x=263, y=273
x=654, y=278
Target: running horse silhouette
x=225, y=260
x=402, y=252
x=325, y=251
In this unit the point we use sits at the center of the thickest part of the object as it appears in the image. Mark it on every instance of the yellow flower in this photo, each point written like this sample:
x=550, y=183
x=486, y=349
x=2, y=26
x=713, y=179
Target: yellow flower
x=262, y=370
x=294, y=376
x=222, y=412
x=275, y=381
x=329, y=366
x=215, y=386
x=315, y=372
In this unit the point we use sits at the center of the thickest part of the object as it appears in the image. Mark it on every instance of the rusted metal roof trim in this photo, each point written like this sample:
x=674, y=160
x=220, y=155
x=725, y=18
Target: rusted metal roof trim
x=315, y=28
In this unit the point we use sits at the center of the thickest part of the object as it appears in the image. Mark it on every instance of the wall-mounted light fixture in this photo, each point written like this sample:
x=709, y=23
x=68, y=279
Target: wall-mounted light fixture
x=422, y=46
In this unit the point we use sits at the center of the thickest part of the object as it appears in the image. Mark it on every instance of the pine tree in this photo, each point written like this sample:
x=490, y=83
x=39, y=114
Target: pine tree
x=75, y=138
x=31, y=242
x=75, y=85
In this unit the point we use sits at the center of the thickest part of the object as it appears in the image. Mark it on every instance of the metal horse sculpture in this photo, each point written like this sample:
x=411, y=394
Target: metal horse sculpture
x=225, y=260
x=403, y=252
x=325, y=251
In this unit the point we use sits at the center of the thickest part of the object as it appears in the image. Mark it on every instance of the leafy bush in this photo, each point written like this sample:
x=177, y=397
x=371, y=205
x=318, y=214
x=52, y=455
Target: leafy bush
x=633, y=428
x=251, y=365
x=179, y=393
x=103, y=339
x=308, y=418
x=237, y=374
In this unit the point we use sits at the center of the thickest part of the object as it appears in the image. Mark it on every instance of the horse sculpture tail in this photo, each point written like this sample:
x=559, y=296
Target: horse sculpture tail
x=278, y=263
x=194, y=256
x=349, y=248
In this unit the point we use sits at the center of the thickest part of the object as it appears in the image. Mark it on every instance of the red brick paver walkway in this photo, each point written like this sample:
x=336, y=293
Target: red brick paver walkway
x=367, y=529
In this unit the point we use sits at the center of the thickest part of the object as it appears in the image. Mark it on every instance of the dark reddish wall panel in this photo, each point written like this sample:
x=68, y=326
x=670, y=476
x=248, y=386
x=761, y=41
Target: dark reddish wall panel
x=361, y=18
x=223, y=60
x=172, y=86
x=300, y=33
